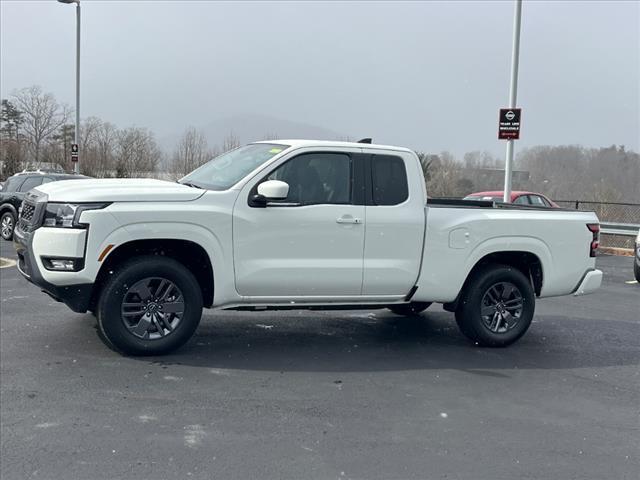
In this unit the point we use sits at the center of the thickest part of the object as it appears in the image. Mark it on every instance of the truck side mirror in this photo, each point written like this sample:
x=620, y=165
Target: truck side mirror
x=273, y=190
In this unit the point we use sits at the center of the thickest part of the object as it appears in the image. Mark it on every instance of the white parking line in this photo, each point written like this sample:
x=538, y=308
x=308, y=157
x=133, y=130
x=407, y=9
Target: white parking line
x=6, y=262
x=631, y=282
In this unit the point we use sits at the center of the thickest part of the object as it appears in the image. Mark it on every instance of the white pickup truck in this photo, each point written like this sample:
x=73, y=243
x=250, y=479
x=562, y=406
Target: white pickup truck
x=295, y=224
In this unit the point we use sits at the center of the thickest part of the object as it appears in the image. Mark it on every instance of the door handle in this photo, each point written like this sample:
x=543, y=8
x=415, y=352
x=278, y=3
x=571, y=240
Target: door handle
x=348, y=219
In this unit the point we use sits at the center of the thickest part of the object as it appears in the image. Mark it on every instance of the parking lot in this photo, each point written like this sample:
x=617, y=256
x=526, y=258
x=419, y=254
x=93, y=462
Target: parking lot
x=319, y=395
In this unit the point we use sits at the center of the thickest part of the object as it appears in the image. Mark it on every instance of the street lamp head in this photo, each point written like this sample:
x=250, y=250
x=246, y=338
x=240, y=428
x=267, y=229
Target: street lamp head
x=69, y=1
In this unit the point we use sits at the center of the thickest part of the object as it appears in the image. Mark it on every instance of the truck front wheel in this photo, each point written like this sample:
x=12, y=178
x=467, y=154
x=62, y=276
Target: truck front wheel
x=496, y=306
x=150, y=305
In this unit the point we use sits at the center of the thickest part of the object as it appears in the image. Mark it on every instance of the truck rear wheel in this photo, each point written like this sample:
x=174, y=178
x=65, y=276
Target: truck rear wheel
x=410, y=309
x=150, y=305
x=496, y=307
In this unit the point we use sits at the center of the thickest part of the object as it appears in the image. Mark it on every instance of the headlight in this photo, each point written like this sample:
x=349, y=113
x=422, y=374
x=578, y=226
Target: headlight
x=67, y=215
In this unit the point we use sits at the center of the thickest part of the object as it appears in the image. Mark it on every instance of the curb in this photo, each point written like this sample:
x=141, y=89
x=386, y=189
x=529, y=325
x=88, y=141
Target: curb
x=623, y=252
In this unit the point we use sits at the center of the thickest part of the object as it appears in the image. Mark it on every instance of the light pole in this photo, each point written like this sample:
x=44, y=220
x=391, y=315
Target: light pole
x=76, y=133
x=513, y=91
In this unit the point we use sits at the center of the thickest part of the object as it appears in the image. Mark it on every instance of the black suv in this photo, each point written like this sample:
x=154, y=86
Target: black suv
x=13, y=191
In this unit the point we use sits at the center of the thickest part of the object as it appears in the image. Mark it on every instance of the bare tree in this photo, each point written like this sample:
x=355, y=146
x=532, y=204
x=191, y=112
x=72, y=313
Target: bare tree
x=10, y=157
x=57, y=149
x=573, y=172
x=230, y=142
x=428, y=162
x=42, y=116
x=10, y=120
x=88, y=152
x=105, y=141
x=88, y=131
x=213, y=152
x=191, y=152
x=10, y=151
x=443, y=174
x=477, y=159
x=137, y=153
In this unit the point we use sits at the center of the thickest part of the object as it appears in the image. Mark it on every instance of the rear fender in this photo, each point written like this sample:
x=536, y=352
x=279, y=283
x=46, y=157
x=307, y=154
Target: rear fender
x=446, y=270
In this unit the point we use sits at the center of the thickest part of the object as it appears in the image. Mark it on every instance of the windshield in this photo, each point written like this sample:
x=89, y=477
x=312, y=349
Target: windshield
x=229, y=168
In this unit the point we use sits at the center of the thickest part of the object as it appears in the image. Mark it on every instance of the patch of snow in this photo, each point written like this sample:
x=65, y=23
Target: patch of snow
x=193, y=435
x=47, y=425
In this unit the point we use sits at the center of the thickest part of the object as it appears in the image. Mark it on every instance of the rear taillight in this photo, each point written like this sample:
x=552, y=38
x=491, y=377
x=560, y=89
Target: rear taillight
x=594, y=228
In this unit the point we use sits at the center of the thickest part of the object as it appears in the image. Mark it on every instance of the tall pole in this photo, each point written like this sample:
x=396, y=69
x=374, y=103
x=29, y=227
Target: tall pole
x=513, y=92
x=76, y=134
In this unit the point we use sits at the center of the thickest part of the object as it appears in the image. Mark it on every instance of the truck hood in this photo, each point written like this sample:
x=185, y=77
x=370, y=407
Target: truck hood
x=119, y=190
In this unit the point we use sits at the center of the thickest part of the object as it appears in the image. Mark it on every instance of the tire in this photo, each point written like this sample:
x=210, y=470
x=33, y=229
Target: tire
x=410, y=309
x=505, y=296
x=636, y=270
x=7, y=225
x=151, y=305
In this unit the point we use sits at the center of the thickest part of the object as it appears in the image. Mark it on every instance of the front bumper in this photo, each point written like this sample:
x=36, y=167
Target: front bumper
x=590, y=283
x=76, y=296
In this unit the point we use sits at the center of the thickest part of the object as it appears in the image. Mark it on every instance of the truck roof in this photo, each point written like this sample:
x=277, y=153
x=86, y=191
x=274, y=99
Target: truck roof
x=297, y=143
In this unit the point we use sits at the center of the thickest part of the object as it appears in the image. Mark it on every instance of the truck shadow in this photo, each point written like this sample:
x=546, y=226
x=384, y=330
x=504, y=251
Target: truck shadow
x=381, y=341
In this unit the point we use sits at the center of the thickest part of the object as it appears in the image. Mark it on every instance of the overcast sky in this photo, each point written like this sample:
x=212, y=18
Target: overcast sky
x=428, y=75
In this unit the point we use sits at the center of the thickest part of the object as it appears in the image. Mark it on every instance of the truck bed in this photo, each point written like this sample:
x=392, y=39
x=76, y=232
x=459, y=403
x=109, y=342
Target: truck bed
x=460, y=203
x=461, y=233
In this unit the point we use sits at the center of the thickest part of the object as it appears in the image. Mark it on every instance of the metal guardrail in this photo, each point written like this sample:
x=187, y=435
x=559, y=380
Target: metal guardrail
x=627, y=229
x=619, y=222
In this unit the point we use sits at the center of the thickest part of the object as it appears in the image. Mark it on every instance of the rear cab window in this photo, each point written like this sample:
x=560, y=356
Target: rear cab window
x=388, y=180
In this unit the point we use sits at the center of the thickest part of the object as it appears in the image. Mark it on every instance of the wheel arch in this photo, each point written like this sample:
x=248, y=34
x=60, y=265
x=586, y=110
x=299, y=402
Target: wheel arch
x=190, y=254
x=528, y=263
x=7, y=207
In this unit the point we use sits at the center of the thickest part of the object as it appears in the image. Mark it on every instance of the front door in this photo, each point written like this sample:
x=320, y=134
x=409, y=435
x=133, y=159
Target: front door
x=309, y=245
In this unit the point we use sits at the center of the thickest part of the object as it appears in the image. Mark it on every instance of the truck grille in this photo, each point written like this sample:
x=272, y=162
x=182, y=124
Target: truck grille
x=31, y=211
x=27, y=212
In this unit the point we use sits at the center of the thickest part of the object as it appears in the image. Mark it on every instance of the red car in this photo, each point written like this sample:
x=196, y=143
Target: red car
x=520, y=198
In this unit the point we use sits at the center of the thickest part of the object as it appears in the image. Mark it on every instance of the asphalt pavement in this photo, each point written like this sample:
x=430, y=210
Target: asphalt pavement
x=325, y=395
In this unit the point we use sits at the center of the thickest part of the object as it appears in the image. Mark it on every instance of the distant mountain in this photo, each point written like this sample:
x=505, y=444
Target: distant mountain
x=252, y=127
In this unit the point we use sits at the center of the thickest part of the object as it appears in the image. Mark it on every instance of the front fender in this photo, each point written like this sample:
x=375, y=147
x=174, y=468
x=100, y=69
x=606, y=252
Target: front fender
x=198, y=234
x=121, y=223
